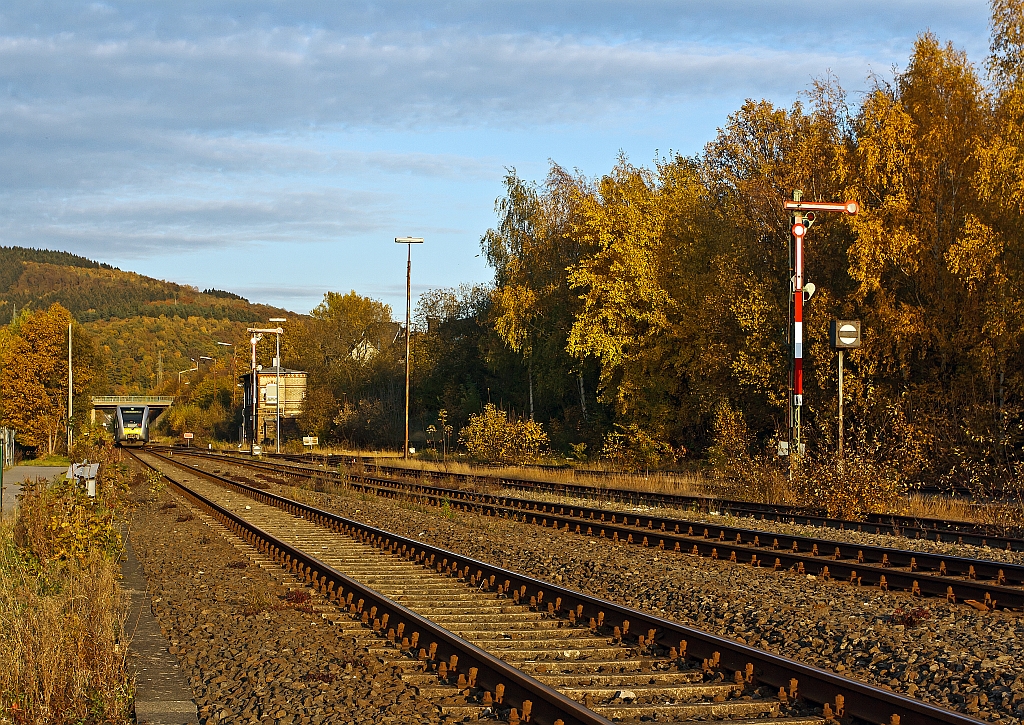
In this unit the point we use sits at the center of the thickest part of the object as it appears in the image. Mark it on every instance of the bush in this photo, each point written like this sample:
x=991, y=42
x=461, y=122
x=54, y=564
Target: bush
x=494, y=437
x=633, y=449
x=63, y=642
x=762, y=478
x=849, y=489
x=59, y=523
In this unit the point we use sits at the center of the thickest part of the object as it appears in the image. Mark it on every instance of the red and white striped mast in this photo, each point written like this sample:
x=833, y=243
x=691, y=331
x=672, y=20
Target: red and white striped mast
x=802, y=216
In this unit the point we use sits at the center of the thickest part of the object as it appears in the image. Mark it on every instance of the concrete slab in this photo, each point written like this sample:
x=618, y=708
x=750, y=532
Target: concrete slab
x=17, y=475
x=162, y=694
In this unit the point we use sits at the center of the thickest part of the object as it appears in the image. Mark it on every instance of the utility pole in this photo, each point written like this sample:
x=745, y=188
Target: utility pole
x=258, y=333
x=70, y=392
x=802, y=217
x=277, y=397
x=408, y=241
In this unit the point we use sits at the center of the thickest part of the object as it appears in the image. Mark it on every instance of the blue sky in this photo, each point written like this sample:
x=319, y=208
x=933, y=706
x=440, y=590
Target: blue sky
x=275, y=149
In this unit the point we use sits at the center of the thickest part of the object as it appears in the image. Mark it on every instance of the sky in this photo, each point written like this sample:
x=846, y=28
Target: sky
x=276, y=149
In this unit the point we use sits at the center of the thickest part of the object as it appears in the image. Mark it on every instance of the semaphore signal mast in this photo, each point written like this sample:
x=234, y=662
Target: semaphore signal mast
x=802, y=216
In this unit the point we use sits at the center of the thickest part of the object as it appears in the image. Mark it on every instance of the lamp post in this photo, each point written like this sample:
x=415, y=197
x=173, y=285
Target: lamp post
x=190, y=370
x=231, y=345
x=255, y=389
x=408, y=241
x=258, y=333
x=277, y=366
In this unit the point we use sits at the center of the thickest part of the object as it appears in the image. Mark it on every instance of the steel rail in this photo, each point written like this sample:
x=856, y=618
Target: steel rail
x=961, y=531
x=886, y=567
x=859, y=699
x=897, y=524
x=548, y=705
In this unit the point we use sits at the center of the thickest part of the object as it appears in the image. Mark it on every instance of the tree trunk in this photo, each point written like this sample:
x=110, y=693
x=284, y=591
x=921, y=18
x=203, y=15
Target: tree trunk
x=583, y=397
x=529, y=368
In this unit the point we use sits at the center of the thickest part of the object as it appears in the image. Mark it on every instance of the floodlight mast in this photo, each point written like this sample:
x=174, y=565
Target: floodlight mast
x=277, y=396
x=802, y=216
x=257, y=335
x=408, y=241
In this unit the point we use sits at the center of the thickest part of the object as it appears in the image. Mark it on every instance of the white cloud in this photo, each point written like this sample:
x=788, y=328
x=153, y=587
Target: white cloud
x=130, y=129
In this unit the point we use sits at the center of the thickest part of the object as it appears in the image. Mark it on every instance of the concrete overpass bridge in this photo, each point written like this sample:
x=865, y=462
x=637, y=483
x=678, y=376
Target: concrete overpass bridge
x=107, y=403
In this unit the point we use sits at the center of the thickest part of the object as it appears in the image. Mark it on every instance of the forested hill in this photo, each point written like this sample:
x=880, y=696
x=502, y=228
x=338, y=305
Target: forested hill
x=144, y=330
x=94, y=291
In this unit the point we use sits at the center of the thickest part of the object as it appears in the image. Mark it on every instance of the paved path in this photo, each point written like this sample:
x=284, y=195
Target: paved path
x=14, y=477
x=162, y=694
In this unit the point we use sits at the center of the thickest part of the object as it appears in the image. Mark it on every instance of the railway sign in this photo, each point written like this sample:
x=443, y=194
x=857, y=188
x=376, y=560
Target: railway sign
x=846, y=207
x=844, y=334
x=802, y=215
x=310, y=441
x=188, y=436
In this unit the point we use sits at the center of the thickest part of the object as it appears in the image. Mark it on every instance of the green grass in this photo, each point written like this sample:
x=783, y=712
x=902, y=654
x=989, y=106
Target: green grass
x=47, y=461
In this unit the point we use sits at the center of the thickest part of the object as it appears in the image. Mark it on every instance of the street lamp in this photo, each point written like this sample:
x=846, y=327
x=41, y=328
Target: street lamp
x=190, y=370
x=231, y=345
x=277, y=366
x=408, y=241
x=258, y=333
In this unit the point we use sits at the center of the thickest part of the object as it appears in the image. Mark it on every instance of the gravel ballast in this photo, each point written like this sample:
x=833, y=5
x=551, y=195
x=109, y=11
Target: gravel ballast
x=249, y=652
x=849, y=536
x=948, y=655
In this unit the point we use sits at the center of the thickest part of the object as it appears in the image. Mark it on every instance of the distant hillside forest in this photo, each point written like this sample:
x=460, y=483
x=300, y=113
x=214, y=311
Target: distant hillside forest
x=145, y=330
x=93, y=291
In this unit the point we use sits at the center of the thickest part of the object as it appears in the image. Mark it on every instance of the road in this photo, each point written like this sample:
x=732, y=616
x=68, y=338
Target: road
x=14, y=477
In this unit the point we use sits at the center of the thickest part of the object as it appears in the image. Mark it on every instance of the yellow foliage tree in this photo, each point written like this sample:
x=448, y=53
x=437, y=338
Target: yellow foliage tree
x=34, y=375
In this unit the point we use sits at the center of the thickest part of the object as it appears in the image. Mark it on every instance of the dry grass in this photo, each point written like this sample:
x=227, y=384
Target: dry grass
x=762, y=483
x=1003, y=516
x=63, y=642
x=691, y=484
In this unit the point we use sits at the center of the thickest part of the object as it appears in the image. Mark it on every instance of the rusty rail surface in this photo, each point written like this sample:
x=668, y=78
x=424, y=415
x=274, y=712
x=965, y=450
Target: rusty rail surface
x=548, y=705
x=980, y=582
x=965, y=532
x=855, y=699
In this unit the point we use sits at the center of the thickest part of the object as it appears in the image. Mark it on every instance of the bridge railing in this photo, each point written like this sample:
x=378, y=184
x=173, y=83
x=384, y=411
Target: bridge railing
x=155, y=400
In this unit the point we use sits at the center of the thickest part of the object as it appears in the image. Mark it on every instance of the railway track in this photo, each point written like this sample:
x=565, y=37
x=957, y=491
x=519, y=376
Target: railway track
x=981, y=583
x=510, y=641
x=914, y=527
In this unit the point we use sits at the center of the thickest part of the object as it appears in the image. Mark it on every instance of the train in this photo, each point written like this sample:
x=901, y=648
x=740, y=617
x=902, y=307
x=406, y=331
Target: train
x=131, y=425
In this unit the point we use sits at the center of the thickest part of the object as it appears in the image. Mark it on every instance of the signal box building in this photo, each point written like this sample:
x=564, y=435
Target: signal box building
x=293, y=398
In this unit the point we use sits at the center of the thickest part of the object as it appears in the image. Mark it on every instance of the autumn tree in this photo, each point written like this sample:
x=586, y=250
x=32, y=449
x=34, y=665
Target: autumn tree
x=532, y=250
x=34, y=376
x=458, y=357
x=355, y=386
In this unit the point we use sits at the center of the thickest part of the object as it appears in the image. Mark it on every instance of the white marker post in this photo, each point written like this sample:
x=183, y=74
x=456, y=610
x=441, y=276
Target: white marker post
x=843, y=335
